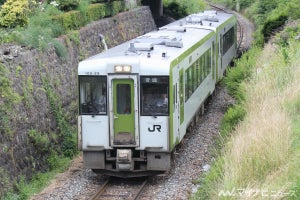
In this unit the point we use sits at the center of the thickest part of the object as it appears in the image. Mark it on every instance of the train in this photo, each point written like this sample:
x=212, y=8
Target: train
x=137, y=99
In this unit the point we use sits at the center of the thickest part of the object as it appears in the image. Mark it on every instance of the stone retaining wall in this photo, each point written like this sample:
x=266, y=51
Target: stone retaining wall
x=45, y=89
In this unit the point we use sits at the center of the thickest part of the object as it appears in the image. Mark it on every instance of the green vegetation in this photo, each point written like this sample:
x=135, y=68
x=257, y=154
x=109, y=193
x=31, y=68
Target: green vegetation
x=8, y=99
x=267, y=15
x=38, y=24
x=66, y=131
x=39, y=181
x=259, y=153
x=14, y=13
x=179, y=9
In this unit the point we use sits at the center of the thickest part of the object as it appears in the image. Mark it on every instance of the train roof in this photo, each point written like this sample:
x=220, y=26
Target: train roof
x=157, y=49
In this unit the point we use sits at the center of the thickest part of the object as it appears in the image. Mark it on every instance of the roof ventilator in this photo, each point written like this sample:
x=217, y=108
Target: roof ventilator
x=174, y=28
x=206, y=16
x=174, y=42
x=139, y=46
x=131, y=47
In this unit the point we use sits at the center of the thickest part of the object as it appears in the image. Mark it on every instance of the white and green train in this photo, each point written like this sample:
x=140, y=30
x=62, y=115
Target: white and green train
x=136, y=100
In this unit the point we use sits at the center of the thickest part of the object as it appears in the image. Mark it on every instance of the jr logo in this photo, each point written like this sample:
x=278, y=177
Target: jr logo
x=155, y=127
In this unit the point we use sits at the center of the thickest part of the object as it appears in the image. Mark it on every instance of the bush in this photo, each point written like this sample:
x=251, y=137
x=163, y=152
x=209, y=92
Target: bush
x=112, y=8
x=95, y=12
x=72, y=20
x=14, y=13
x=41, y=29
x=242, y=70
x=231, y=118
x=67, y=5
x=75, y=19
x=97, y=1
x=40, y=140
x=179, y=9
x=176, y=10
x=271, y=25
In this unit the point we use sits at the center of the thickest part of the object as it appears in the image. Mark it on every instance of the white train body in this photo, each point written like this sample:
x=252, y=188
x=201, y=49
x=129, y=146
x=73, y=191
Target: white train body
x=137, y=99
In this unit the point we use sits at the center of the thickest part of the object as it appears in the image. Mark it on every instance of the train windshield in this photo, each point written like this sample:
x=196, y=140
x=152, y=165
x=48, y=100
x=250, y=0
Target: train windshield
x=154, y=95
x=93, y=95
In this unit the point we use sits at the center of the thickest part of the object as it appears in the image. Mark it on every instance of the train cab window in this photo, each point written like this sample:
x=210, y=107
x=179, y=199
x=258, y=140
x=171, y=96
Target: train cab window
x=154, y=95
x=92, y=95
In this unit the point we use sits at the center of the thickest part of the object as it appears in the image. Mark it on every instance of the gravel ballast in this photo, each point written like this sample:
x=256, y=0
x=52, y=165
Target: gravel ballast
x=191, y=158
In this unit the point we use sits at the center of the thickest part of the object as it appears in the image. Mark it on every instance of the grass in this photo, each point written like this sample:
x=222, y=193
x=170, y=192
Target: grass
x=260, y=159
x=39, y=181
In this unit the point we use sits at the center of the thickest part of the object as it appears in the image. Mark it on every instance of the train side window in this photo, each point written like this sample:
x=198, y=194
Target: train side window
x=208, y=61
x=213, y=59
x=154, y=95
x=202, y=61
x=186, y=78
x=92, y=95
x=195, y=77
x=197, y=72
x=228, y=40
x=190, y=81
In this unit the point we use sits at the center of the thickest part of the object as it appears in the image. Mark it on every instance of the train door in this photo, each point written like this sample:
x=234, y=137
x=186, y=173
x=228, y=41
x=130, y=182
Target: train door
x=176, y=107
x=123, y=110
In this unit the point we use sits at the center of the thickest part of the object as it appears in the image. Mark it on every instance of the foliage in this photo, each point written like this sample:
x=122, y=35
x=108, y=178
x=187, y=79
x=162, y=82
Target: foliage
x=57, y=163
x=47, y=22
x=97, y=1
x=96, y=11
x=233, y=116
x=40, y=140
x=76, y=19
x=292, y=8
x=271, y=25
x=263, y=151
x=70, y=20
x=241, y=71
x=112, y=8
x=60, y=49
x=40, y=180
x=8, y=99
x=67, y=5
x=176, y=10
x=267, y=15
x=40, y=29
x=66, y=132
x=14, y=13
x=179, y=9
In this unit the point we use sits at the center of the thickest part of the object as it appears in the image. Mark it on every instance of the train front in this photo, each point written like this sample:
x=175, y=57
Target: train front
x=123, y=123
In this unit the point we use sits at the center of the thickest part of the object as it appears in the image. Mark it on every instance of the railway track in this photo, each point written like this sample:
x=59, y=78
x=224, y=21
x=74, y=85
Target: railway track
x=115, y=188
x=240, y=28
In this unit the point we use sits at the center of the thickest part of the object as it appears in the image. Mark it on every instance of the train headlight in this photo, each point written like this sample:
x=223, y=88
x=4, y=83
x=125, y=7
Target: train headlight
x=122, y=68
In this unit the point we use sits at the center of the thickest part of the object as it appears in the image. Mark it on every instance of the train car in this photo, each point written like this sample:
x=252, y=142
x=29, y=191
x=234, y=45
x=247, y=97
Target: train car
x=136, y=100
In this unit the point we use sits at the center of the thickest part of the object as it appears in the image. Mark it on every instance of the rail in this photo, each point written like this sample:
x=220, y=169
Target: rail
x=128, y=189
x=240, y=30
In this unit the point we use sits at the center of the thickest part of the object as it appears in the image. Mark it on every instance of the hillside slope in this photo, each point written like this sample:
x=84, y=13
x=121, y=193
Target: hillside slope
x=261, y=157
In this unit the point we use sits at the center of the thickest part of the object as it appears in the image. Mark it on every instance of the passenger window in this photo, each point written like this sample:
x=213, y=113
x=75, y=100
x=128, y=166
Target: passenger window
x=228, y=40
x=92, y=92
x=155, y=96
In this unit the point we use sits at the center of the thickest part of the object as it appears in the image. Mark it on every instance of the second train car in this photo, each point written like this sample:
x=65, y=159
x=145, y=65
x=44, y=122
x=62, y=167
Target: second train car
x=136, y=100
